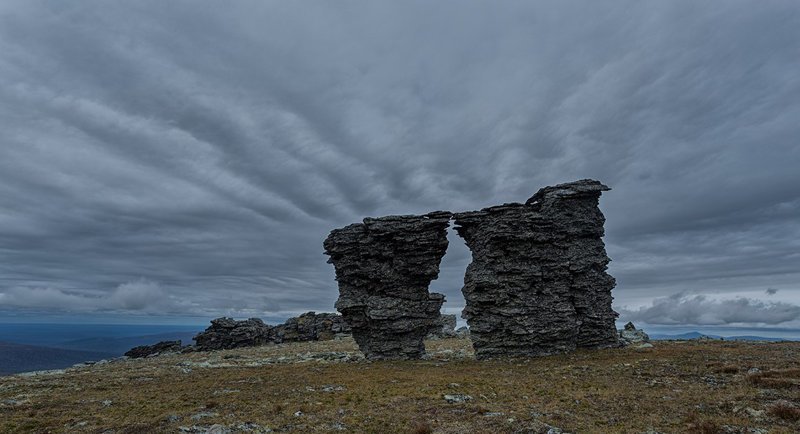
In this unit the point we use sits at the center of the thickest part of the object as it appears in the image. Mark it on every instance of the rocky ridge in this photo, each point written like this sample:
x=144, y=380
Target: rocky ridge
x=226, y=333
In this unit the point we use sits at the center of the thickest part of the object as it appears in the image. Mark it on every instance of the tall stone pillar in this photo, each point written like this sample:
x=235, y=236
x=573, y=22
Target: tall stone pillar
x=537, y=283
x=384, y=267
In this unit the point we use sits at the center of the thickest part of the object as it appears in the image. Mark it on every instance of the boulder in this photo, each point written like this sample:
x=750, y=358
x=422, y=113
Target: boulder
x=630, y=335
x=152, y=350
x=383, y=267
x=537, y=283
x=226, y=333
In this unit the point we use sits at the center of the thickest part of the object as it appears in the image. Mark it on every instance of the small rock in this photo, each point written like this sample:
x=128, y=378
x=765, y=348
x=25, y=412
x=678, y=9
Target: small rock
x=202, y=414
x=298, y=413
x=218, y=429
x=333, y=388
x=755, y=414
x=457, y=398
x=106, y=402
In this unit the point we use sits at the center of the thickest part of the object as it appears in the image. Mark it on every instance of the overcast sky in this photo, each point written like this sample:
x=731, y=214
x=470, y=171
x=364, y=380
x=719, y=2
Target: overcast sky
x=188, y=158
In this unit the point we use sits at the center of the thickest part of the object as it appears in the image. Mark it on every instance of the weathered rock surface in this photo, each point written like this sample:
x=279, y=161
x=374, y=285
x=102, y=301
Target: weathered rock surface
x=630, y=335
x=227, y=333
x=446, y=327
x=537, y=283
x=310, y=326
x=384, y=266
x=150, y=350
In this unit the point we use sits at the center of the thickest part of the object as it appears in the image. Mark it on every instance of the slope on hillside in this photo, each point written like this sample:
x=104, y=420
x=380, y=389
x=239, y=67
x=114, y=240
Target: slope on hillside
x=21, y=358
x=675, y=386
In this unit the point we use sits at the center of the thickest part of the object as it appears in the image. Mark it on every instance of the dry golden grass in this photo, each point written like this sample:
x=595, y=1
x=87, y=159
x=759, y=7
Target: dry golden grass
x=697, y=387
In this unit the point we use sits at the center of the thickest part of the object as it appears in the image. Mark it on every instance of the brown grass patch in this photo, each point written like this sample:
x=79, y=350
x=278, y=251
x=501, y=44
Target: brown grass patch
x=776, y=378
x=784, y=410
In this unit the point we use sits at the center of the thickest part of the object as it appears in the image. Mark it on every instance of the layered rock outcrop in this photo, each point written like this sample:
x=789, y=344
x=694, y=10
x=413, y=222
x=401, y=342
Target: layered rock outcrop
x=310, y=326
x=227, y=333
x=383, y=267
x=446, y=327
x=537, y=283
x=155, y=349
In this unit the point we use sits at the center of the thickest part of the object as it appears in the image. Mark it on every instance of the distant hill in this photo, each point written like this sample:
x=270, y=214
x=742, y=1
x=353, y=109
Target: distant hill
x=695, y=335
x=119, y=345
x=22, y=358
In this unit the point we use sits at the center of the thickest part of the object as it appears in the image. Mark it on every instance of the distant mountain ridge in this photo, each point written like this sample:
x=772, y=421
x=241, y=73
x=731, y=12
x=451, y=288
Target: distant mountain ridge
x=118, y=345
x=697, y=335
x=16, y=358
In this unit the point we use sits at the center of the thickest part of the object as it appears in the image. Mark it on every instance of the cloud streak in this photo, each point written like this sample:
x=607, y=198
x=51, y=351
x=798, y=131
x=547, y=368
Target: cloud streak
x=211, y=149
x=680, y=309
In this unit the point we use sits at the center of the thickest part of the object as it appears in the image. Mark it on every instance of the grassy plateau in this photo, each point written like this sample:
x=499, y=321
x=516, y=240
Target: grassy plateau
x=673, y=387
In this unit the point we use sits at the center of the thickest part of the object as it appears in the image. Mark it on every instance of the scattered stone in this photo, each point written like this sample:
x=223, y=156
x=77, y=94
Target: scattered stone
x=152, y=350
x=298, y=413
x=333, y=388
x=218, y=429
x=226, y=333
x=213, y=429
x=537, y=283
x=645, y=345
x=384, y=266
x=755, y=414
x=457, y=398
x=106, y=402
x=251, y=427
x=202, y=414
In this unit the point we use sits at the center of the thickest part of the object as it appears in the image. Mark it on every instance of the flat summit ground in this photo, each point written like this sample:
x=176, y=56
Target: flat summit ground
x=686, y=386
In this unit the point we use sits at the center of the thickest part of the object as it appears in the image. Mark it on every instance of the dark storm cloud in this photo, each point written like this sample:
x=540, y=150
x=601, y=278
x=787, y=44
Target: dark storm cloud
x=199, y=153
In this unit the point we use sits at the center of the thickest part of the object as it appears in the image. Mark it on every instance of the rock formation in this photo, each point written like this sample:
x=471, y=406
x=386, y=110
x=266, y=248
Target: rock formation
x=152, y=350
x=226, y=333
x=630, y=335
x=446, y=327
x=537, y=283
x=384, y=266
x=310, y=326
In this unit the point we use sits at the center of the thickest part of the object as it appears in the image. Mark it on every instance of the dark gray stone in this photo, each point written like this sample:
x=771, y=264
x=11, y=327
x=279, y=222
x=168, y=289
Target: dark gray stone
x=384, y=266
x=310, y=326
x=227, y=333
x=151, y=350
x=446, y=327
x=537, y=283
